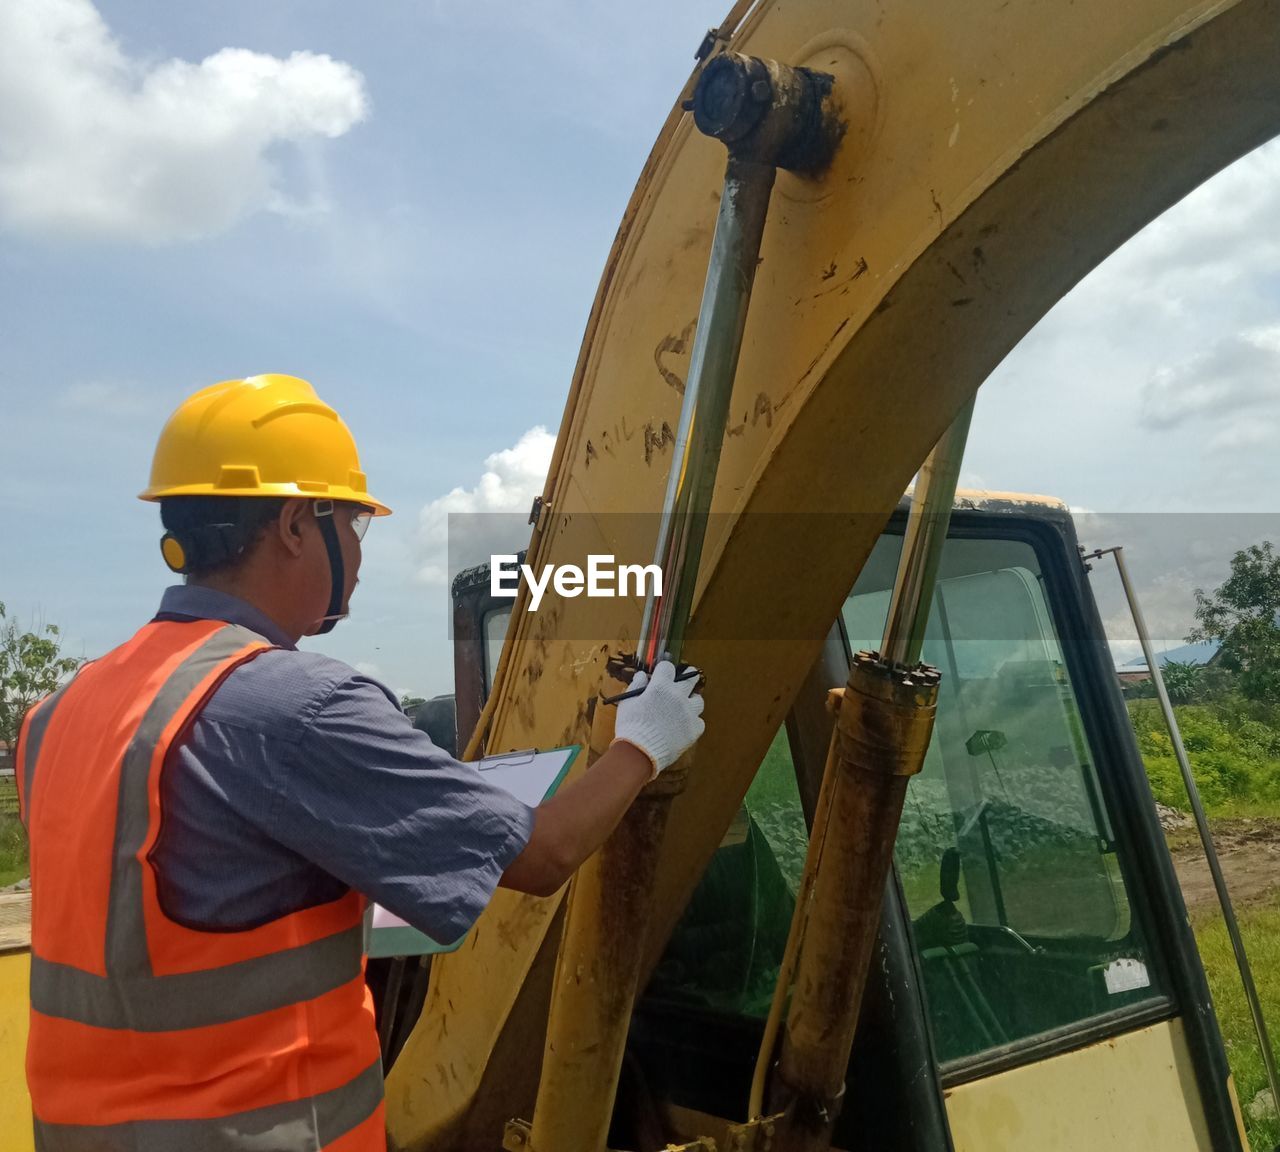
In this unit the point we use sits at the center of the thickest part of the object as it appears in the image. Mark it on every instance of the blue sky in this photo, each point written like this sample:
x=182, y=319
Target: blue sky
x=410, y=203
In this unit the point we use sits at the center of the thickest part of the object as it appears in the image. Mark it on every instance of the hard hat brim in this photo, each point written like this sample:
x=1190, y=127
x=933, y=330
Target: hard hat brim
x=280, y=491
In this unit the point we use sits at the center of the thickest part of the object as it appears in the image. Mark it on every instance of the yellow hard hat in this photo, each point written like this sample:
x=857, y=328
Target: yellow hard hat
x=261, y=436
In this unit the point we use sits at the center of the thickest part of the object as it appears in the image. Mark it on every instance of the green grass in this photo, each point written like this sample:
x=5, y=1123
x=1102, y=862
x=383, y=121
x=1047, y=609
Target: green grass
x=13, y=850
x=1234, y=749
x=13, y=839
x=1260, y=927
x=775, y=781
x=774, y=803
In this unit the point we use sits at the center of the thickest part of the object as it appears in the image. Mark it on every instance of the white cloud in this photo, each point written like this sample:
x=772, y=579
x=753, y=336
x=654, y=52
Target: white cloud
x=95, y=144
x=1245, y=436
x=1221, y=233
x=1199, y=258
x=1155, y=383
x=1168, y=555
x=468, y=525
x=1237, y=375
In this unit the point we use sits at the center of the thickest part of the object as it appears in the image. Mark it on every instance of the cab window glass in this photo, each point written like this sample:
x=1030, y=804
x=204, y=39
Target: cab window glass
x=726, y=951
x=1007, y=859
x=1008, y=863
x=496, y=623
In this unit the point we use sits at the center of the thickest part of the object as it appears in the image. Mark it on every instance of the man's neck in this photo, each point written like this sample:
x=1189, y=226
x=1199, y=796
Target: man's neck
x=270, y=605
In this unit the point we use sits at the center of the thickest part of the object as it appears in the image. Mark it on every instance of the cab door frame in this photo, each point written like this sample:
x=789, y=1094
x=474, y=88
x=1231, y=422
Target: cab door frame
x=1145, y=861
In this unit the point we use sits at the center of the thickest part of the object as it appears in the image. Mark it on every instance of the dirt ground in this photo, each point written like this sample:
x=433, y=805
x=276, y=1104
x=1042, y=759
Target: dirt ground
x=1250, y=853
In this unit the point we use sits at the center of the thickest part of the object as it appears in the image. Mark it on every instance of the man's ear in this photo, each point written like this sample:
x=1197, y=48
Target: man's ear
x=292, y=524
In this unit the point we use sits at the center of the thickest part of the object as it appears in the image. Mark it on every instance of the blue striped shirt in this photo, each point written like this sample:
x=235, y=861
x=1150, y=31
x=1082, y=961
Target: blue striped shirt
x=301, y=778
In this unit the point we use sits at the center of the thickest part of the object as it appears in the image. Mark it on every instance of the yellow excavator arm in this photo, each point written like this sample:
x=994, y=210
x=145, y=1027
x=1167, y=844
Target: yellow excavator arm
x=993, y=153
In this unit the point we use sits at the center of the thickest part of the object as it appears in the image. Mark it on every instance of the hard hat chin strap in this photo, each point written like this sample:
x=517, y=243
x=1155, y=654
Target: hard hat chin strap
x=337, y=572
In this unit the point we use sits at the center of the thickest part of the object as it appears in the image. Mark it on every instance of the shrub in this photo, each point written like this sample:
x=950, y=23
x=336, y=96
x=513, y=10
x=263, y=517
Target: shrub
x=1234, y=753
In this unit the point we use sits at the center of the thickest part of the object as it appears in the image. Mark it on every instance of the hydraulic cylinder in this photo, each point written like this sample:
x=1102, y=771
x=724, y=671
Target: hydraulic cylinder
x=884, y=720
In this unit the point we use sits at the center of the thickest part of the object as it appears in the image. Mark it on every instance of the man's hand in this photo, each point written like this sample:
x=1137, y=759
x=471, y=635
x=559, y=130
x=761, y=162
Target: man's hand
x=665, y=719
x=651, y=732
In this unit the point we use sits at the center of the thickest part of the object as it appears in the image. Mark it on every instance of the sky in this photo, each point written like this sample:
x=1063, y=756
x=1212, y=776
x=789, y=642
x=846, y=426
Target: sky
x=409, y=202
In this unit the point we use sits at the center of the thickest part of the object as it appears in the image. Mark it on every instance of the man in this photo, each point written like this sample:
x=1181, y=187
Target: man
x=208, y=809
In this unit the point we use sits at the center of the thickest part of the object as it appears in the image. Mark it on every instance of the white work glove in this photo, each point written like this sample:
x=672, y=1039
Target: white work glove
x=665, y=719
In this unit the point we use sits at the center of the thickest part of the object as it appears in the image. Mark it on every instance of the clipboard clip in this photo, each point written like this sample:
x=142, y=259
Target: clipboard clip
x=506, y=759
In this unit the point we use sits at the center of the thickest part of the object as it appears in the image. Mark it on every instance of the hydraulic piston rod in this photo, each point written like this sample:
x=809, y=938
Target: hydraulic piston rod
x=769, y=116
x=927, y=522
x=721, y=321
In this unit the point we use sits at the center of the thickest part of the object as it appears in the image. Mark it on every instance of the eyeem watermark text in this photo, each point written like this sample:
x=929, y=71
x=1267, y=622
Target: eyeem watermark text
x=604, y=577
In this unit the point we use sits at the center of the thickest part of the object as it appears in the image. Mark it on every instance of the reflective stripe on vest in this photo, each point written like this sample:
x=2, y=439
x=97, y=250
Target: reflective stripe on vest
x=30, y=737
x=145, y=1033
x=275, y=1128
x=197, y=999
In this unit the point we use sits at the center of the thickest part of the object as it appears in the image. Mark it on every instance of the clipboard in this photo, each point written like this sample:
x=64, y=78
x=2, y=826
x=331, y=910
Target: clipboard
x=530, y=776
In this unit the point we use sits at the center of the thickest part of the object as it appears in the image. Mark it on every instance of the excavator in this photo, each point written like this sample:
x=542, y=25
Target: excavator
x=909, y=891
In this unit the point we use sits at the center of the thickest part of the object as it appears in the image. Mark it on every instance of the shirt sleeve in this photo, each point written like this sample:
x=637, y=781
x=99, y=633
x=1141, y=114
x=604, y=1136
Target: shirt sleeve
x=374, y=802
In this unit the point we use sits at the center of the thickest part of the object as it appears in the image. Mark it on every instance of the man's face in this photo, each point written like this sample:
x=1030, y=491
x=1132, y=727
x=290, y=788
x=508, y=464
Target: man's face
x=350, y=521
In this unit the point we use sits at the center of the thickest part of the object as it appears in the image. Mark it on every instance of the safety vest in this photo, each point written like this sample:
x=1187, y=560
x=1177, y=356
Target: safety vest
x=147, y=1035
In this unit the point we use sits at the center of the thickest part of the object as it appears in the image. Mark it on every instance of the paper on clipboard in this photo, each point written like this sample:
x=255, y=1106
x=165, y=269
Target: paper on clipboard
x=530, y=777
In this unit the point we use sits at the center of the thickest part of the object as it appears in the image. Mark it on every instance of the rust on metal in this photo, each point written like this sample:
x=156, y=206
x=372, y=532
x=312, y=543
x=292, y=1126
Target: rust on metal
x=754, y=1136
x=885, y=718
x=768, y=113
x=701, y=1144
x=516, y=1136
x=883, y=722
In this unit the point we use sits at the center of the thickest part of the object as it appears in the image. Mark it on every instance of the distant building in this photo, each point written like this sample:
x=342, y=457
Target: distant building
x=1135, y=671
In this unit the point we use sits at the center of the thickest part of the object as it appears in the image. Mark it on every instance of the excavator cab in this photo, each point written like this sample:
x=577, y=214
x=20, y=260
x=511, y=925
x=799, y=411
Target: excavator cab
x=1027, y=918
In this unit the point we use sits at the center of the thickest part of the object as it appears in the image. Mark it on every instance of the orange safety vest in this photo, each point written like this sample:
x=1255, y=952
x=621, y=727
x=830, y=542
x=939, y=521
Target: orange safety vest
x=148, y=1036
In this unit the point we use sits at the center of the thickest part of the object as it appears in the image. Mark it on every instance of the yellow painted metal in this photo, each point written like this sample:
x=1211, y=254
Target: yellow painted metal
x=598, y=965
x=1013, y=145
x=15, y=1104
x=1129, y=1092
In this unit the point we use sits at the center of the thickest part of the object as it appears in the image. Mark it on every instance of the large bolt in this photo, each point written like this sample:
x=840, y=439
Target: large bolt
x=725, y=103
x=768, y=113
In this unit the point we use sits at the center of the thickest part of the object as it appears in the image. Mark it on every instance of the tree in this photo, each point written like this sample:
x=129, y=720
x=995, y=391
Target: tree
x=1241, y=615
x=31, y=666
